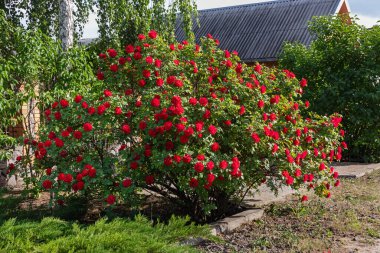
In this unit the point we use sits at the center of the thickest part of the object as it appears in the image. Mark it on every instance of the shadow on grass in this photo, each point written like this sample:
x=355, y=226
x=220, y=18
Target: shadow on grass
x=17, y=205
x=79, y=209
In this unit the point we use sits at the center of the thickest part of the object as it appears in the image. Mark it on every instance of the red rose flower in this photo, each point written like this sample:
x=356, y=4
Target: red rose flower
x=207, y=114
x=87, y=127
x=200, y=157
x=78, y=98
x=101, y=109
x=257, y=68
x=122, y=60
x=169, y=145
x=227, y=122
x=336, y=121
x=177, y=158
x=152, y=34
x=127, y=182
x=199, y=167
x=112, y=52
x=100, y=75
x=57, y=115
x=297, y=173
x=193, y=183
x=77, y=134
x=68, y=178
x=303, y=82
x=126, y=129
x=84, y=105
x=255, y=137
x=275, y=99
x=186, y=158
x=260, y=104
x=111, y=199
x=227, y=54
x=157, y=63
x=107, y=93
x=275, y=148
x=289, y=180
x=149, y=59
x=199, y=126
x=263, y=89
x=58, y=142
x=155, y=102
x=134, y=165
x=47, y=184
x=64, y=103
x=114, y=67
x=146, y=73
x=168, y=161
x=129, y=49
x=137, y=56
x=223, y=164
x=118, y=111
x=212, y=129
x=210, y=165
x=242, y=110
x=65, y=133
x=159, y=82
x=239, y=68
x=92, y=172
x=203, y=101
x=149, y=179
x=210, y=178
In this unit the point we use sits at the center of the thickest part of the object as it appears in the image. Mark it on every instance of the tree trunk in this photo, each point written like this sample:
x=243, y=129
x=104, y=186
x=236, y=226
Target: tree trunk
x=66, y=24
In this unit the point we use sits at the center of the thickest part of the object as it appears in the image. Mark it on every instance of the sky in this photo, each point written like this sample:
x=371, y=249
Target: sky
x=368, y=11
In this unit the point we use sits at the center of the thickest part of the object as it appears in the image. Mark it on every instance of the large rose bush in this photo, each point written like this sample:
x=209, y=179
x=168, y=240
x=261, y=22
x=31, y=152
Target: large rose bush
x=189, y=122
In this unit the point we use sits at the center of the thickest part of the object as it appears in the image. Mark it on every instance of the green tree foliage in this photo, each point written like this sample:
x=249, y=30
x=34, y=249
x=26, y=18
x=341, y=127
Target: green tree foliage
x=342, y=65
x=33, y=66
x=119, y=21
x=44, y=14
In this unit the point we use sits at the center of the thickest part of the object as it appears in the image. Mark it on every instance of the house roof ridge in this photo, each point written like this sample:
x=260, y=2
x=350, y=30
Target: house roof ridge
x=269, y=2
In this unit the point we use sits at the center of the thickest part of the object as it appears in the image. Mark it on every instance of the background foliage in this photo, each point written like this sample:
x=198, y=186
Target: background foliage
x=34, y=67
x=342, y=65
x=119, y=21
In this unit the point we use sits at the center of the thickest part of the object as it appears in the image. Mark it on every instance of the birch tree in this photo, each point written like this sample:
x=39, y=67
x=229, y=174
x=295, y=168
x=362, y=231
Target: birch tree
x=66, y=24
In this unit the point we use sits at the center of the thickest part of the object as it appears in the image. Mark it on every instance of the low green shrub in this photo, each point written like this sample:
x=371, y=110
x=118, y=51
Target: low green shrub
x=119, y=235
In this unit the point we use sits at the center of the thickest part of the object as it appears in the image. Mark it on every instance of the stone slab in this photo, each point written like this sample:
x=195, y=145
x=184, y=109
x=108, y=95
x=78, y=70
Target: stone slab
x=355, y=170
x=229, y=224
x=264, y=196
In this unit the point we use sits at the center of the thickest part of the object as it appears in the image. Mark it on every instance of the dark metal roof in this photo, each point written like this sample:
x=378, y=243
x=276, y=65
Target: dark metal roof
x=257, y=31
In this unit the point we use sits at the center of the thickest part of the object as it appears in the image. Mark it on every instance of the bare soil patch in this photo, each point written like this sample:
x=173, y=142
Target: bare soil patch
x=348, y=222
